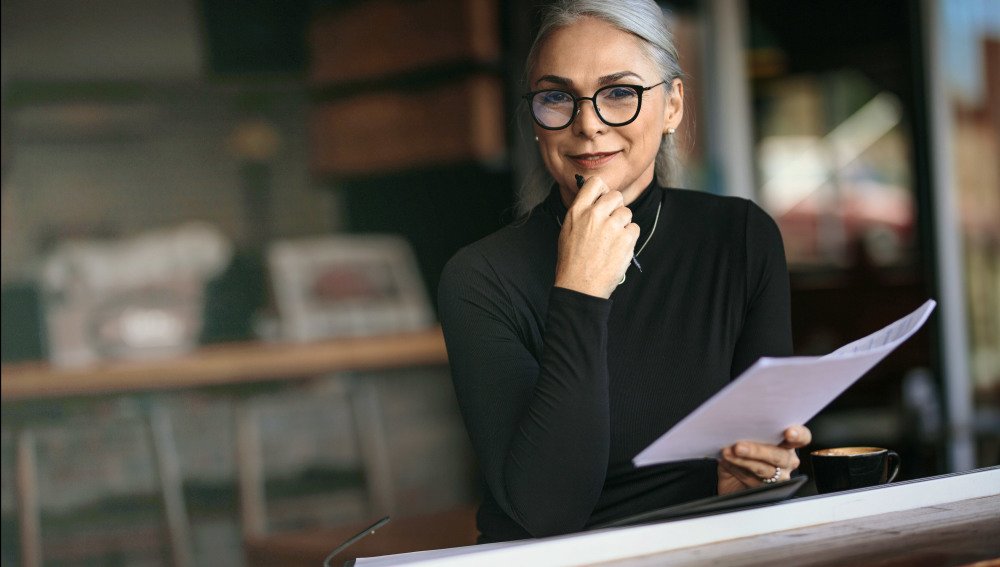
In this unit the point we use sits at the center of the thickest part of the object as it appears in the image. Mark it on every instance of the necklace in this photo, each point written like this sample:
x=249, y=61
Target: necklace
x=635, y=257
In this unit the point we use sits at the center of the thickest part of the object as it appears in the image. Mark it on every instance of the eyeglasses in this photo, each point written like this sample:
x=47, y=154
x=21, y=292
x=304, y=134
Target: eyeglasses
x=616, y=105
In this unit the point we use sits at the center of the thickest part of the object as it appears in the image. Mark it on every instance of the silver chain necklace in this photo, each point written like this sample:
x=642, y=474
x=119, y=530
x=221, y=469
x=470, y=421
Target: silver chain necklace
x=635, y=257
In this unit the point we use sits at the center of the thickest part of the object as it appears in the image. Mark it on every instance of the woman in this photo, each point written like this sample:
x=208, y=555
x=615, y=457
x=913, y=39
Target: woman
x=580, y=335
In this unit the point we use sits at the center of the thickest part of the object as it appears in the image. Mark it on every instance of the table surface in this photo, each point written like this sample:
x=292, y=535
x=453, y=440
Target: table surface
x=947, y=520
x=953, y=534
x=225, y=364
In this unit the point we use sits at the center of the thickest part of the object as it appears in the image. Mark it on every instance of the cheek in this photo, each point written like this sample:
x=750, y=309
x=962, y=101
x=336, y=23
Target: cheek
x=650, y=132
x=645, y=142
x=548, y=149
x=655, y=135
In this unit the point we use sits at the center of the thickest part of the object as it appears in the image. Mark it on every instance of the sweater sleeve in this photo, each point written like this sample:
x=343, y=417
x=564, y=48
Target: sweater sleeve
x=767, y=327
x=540, y=428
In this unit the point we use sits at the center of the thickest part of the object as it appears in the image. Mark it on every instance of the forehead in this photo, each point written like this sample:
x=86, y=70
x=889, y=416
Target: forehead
x=590, y=48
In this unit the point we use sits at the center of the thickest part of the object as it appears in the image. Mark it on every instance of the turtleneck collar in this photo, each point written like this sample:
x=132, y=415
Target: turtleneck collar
x=643, y=208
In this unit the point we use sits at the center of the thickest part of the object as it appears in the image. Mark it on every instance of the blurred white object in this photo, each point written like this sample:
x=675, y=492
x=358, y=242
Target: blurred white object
x=921, y=400
x=347, y=286
x=132, y=298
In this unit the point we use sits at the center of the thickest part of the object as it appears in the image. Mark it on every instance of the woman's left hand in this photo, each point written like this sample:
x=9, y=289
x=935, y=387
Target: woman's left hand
x=746, y=464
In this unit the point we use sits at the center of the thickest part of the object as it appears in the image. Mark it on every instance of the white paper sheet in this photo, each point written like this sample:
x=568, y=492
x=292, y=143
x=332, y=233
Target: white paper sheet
x=776, y=393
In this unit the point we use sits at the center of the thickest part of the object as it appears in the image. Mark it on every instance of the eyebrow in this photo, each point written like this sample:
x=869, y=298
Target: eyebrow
x=605, y=80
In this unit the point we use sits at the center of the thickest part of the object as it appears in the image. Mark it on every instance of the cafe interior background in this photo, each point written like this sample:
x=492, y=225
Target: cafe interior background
x=182, y=178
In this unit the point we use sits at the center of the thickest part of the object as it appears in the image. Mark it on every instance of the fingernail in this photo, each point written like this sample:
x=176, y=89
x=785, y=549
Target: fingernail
x=741, y=450
x=793, y=434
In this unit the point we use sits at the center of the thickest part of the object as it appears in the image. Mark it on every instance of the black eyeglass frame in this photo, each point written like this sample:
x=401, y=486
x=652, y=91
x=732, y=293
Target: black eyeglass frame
x=639, y=89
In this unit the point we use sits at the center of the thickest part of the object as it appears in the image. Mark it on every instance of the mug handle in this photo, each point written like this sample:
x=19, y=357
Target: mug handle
x=894, y=468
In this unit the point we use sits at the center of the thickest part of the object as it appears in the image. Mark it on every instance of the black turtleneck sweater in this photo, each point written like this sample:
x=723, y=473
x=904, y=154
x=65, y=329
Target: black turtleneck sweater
x=560, y=390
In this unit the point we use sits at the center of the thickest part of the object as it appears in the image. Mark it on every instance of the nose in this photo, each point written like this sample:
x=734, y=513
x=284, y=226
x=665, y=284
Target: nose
x=587, y=123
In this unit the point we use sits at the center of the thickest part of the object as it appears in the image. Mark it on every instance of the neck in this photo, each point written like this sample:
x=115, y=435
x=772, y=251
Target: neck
x=637, y=189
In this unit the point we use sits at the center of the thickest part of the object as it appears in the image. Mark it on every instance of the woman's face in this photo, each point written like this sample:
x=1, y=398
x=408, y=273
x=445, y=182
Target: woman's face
x=582, y=58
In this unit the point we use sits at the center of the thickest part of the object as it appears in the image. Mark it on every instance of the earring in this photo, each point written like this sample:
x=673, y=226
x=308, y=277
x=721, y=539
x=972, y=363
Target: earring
x=670, y=131
x=536, y=138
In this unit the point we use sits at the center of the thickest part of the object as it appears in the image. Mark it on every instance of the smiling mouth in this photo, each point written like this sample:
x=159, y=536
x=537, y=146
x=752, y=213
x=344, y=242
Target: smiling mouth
x=591, y=161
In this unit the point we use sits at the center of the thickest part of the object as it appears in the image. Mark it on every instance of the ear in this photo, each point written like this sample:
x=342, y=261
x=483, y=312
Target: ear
x=673, y=110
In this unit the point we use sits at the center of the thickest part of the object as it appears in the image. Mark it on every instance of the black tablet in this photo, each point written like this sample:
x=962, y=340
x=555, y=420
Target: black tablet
x=763, y=494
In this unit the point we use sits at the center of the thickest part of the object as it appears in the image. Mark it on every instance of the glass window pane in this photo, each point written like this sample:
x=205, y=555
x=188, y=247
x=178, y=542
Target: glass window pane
x=972, y=75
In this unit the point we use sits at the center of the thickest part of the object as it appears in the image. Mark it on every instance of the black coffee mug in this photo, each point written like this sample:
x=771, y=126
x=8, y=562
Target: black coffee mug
x=844, y=468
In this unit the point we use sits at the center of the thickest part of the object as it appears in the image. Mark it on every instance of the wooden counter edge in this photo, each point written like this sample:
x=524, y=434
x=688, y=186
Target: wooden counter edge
x=225, y=364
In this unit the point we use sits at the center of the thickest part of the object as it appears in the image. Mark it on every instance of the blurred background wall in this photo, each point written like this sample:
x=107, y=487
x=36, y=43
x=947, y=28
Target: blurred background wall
x=869, y=130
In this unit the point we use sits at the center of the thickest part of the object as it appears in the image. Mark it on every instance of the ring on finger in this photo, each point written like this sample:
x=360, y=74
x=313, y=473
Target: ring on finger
x=773, y=479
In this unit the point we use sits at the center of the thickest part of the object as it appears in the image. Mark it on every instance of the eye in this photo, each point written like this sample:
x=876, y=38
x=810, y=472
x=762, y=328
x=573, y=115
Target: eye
x=554, y=98
x=619, y=93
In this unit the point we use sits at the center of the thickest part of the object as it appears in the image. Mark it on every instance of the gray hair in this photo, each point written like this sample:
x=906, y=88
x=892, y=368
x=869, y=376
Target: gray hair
x=641, y=18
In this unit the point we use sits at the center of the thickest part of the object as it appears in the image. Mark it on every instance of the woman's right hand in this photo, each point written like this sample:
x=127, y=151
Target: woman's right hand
x=596, y=242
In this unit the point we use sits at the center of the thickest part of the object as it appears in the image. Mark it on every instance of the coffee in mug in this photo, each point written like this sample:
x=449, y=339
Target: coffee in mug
x=844, y=468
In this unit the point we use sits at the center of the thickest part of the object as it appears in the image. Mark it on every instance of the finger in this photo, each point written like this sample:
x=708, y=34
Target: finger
x=622, y=216
x=758, y=469
x=632, y=230
x=744, y=453
x=609, y=202
x=748, y=479
x=631, y=236
x=769, y=454
x=796, y=436
x=761, y=471
x=592, y=189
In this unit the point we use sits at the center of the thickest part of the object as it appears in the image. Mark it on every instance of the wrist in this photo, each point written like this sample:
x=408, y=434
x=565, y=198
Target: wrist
x=583, y=287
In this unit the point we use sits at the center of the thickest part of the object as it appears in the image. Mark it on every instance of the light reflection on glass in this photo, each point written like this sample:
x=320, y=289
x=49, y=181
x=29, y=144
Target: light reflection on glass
x=836, y=181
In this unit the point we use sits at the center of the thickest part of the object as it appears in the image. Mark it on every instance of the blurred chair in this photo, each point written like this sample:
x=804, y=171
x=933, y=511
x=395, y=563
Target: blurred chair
x=405, y=533
x=134, y=298
x=27, y=422
x=345, y=286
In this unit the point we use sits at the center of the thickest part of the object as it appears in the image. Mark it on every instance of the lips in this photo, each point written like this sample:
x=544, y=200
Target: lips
x=594, y=160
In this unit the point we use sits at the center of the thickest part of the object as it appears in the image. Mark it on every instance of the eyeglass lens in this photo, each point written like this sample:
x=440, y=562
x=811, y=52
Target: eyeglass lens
x=615, y=105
